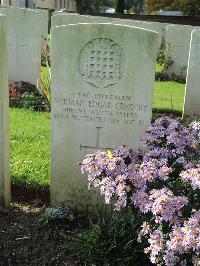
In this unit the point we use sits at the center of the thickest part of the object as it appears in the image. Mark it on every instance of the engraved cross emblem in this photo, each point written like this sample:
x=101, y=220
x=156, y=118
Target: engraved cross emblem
x=17, y=45
x=98, y=142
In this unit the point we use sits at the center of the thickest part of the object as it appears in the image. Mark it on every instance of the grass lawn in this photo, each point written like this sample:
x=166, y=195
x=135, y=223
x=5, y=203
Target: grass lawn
x=168, y=96
x=30, y=137
x=30, y=148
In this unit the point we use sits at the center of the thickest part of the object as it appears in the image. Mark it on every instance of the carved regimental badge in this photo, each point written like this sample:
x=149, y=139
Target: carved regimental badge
x=102, y=62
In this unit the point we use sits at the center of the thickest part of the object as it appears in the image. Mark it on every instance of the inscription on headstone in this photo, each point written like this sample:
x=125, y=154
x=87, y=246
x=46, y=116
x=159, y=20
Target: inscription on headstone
x=99, y=101
x=98, y=142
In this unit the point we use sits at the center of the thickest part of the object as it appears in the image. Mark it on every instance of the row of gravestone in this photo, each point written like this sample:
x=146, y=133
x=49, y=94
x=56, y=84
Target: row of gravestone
x=28, y=31
x=176, y=36
x=102, y=90
x=99, y=101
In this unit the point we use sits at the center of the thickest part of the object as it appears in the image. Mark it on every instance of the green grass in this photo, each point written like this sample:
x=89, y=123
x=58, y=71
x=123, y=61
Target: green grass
x=158, y=68
x=168, y=96
x=30, y=137
x=30, y=148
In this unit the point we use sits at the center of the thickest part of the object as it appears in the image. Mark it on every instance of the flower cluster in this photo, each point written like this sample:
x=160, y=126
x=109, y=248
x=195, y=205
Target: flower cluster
x=156, y=242
x=183, y=239
x=166, y=206
x=162, y=181
x=192, y=176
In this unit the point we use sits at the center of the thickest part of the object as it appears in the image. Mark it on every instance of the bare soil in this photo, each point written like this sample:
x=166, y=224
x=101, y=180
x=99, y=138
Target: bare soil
x=26, y=240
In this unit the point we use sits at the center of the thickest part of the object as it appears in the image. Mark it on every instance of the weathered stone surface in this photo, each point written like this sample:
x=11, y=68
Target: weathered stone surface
x=192, y=89
x=154, y=26
x=43, y=25
x=179, y=36
x=24, y=44
x=102, y=88
x=66, y=19
x=4, y=127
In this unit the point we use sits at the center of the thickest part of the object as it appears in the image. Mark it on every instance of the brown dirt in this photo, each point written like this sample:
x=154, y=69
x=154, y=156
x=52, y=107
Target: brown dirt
x=26, y=240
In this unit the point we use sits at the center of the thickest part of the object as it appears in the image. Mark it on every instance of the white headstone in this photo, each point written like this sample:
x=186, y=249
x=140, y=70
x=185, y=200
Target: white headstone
x=178, y=37
x=4, y=113
x=192, y=89
x=66, y=19
x=24, y=44
x=102, y=89
x=43, y=25
x=97, y=19
x=154, y=26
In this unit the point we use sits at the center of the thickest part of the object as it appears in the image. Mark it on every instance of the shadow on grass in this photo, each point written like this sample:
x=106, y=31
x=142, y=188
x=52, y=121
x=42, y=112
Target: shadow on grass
x=23, y=193
x=165, y=112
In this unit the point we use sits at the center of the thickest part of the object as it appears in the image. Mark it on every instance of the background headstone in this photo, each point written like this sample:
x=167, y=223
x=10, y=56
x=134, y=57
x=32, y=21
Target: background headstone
x=24, y=44
x=4, y=113
x=178, y=37
x=43, y=25
x=192, y=89
x=99, y=100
